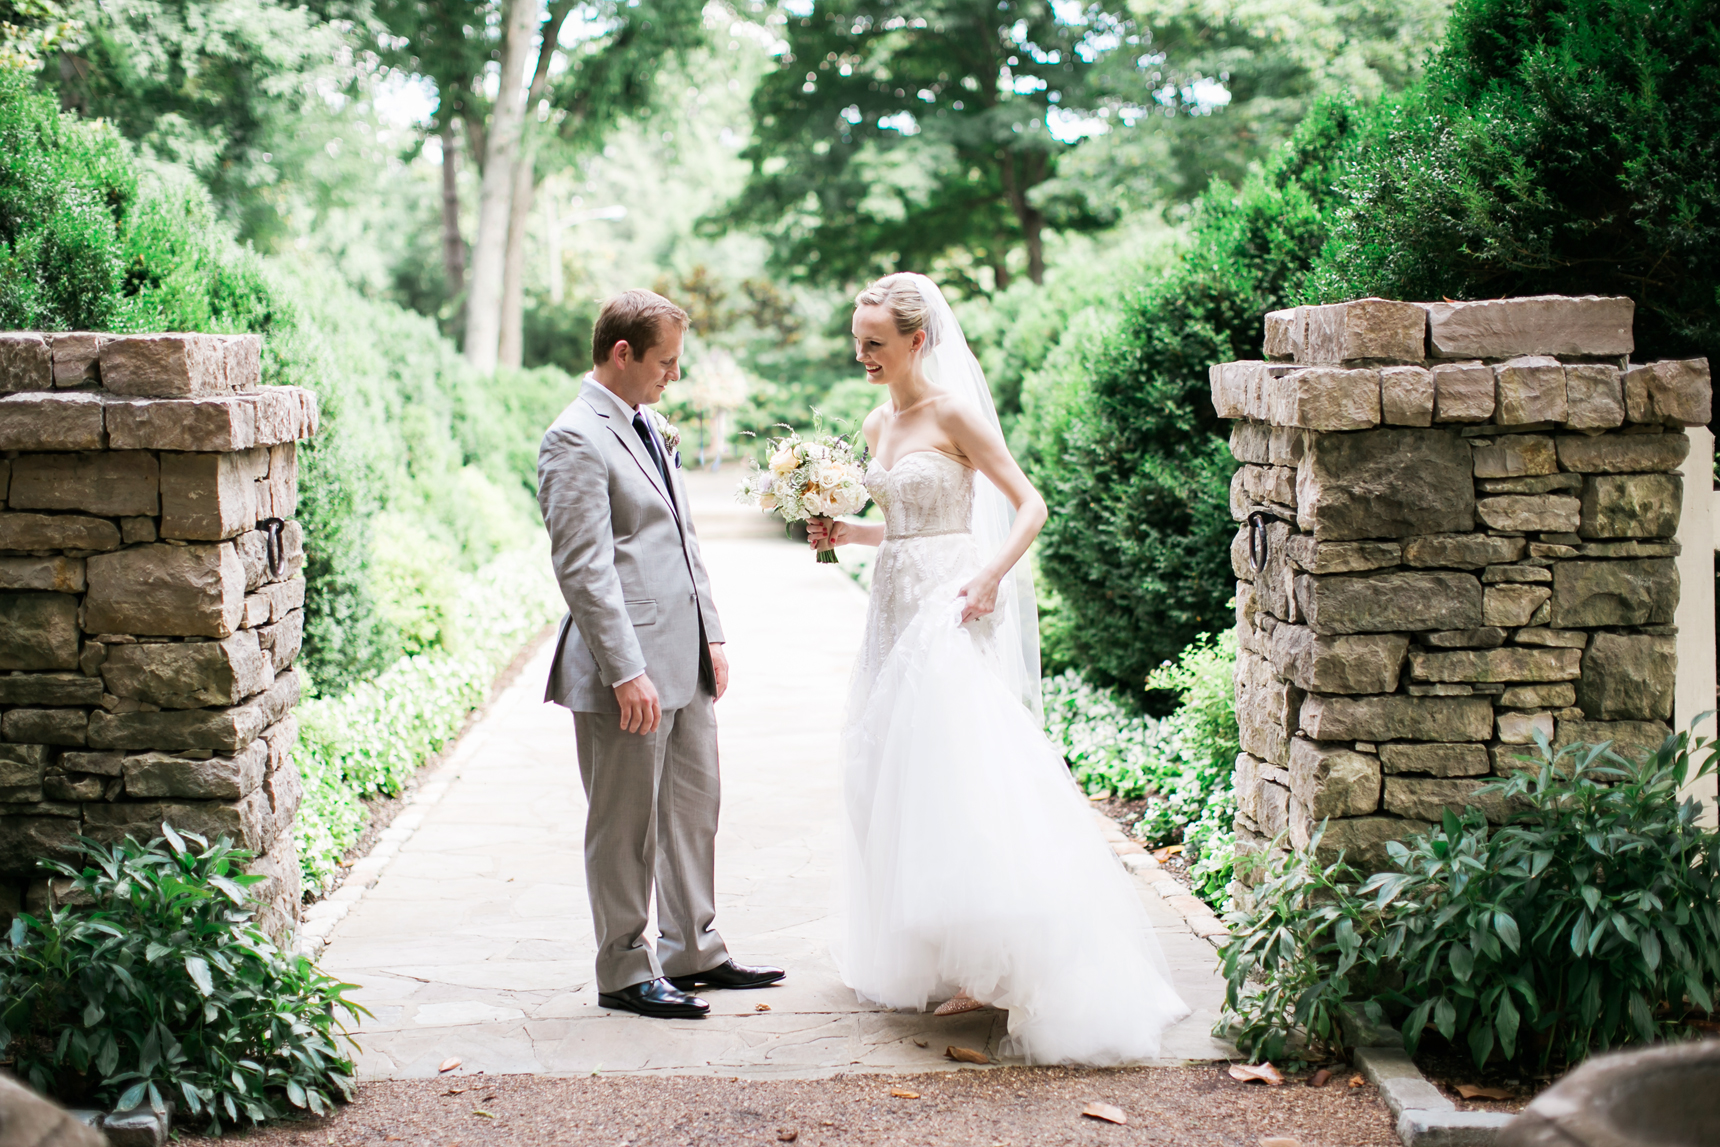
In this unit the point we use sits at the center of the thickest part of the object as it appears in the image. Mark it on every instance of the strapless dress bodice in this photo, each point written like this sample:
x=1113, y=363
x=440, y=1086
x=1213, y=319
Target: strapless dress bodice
x=925, y=494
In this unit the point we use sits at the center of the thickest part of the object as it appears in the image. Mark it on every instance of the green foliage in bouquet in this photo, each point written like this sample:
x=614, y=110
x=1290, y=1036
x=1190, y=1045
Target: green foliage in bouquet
x=156, y=988
x=1590, y=921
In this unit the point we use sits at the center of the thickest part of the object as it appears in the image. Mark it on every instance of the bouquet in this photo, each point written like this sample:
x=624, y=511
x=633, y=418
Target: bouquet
x=806, y=479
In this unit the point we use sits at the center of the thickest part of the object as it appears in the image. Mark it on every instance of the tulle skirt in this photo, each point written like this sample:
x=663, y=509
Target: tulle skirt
x=974, y=862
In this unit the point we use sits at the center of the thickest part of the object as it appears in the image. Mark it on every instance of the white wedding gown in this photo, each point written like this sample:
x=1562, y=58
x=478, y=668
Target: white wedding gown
x=973, y=861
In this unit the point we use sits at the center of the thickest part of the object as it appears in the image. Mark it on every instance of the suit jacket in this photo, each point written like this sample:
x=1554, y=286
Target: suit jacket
x=638, y=598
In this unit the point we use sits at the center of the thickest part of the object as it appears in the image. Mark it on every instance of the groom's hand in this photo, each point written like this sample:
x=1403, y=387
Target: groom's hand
x=641, y=712
x=720, y=668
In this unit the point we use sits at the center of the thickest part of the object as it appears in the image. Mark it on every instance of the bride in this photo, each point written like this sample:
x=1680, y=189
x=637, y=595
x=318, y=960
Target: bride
x=975, y=872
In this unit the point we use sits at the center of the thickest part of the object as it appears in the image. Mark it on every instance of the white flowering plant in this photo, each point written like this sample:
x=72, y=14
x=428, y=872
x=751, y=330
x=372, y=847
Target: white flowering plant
x=807, y=478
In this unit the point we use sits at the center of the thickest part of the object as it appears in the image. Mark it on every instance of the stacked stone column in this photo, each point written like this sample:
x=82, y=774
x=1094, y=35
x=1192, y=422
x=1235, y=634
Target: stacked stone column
x=151, y=601
x=1458, y=527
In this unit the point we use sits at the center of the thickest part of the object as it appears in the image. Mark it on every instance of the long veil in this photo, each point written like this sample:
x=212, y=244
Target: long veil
x=950, y=365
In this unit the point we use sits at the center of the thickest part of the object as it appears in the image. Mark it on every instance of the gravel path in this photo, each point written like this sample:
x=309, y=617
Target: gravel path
x=1015, y=1106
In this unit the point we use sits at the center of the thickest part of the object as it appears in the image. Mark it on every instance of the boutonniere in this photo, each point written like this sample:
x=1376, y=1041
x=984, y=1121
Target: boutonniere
x=668, y=431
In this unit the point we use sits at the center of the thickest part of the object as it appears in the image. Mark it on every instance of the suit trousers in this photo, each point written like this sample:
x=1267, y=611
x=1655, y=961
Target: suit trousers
x=651, y=820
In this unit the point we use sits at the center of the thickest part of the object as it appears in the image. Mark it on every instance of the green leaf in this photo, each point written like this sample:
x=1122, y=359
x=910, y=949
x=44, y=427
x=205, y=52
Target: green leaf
x=1506, y=927
x=1591, y=896
x=295, y=1093
x=131, y=1097
x=1481, y=1042
x=1462, y=962
x=1506, y=1019
x=198, y=968
x=172, y=838
x=1445, y=1017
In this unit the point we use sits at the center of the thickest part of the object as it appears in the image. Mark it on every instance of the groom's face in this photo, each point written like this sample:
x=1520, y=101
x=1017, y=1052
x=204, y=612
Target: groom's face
x=644, y=377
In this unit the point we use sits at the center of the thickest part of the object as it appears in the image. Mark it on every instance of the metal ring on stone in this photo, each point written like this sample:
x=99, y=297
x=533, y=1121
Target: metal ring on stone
x=274, y=546
x=1259, y=541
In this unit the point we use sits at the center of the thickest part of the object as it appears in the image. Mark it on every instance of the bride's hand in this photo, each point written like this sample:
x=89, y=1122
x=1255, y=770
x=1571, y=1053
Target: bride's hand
x=979, y=596
x=827, y=533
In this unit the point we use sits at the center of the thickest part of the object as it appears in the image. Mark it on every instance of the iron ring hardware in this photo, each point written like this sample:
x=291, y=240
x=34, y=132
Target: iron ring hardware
x=274, y=546
x=1259, y=541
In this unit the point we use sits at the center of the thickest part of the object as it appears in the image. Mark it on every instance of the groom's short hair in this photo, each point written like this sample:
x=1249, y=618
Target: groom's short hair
x=636, y=317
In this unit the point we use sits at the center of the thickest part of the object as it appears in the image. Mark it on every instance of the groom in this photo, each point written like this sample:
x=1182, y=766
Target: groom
x=640, y=661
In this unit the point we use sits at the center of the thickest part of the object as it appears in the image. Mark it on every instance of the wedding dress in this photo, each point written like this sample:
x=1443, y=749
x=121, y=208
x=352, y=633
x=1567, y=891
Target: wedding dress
x=973, y=861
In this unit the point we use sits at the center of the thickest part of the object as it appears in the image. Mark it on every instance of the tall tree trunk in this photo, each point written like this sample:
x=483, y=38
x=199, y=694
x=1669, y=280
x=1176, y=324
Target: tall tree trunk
x=552, y=241
x=512, y=343
x=453, y=247
x=489, y=252
x=1020, y=175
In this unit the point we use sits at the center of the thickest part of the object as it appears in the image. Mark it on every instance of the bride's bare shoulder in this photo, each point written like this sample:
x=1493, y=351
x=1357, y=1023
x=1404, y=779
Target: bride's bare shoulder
x=959, y=417
x=873, y=423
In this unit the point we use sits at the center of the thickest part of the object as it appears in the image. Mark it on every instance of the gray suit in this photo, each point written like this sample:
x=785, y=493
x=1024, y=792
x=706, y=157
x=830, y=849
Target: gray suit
x=638, y=600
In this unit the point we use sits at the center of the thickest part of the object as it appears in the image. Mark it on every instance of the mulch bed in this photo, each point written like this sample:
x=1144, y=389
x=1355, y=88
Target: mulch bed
x=1199, y=1106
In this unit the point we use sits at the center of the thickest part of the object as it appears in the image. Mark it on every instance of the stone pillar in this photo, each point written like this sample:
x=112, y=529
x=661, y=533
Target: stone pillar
x=1457, y=528
x=151, y=600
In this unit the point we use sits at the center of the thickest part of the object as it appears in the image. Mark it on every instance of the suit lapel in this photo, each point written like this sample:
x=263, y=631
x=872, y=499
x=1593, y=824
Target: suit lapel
x=607, y=409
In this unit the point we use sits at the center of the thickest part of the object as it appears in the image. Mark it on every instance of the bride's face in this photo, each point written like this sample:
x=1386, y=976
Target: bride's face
x=886, y=353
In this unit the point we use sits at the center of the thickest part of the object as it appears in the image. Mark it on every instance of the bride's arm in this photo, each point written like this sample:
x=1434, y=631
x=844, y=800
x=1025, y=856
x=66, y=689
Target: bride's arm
x=840, y=532
x=986, y=452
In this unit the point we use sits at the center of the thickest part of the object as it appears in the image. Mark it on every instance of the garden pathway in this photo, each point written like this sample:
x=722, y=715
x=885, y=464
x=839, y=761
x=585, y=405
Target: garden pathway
x=473, y=938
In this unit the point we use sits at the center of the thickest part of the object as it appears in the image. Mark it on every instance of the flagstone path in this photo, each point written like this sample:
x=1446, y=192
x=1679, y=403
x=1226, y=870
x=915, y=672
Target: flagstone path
x=468, y=927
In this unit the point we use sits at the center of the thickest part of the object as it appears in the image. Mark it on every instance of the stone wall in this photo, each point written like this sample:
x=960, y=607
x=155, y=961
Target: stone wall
x=151, y=600
x=1458, y=528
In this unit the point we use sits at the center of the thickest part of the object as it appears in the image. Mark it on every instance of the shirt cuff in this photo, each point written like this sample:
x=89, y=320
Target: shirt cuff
x=624, y=681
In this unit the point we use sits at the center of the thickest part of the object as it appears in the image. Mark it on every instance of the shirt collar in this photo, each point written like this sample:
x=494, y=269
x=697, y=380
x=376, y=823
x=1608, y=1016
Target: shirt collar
x=620, y=404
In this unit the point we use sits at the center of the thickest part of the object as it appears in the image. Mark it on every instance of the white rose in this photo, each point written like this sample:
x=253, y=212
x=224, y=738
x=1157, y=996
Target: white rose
x=767, y=501
x=829, y=476
x=783, y=461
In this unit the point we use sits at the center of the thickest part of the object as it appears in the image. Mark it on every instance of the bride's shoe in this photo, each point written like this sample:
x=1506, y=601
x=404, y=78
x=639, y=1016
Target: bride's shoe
x=957, y=1004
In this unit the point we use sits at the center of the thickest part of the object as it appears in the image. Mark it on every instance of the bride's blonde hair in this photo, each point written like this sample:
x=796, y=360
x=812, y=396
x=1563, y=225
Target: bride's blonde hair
x=900, y=295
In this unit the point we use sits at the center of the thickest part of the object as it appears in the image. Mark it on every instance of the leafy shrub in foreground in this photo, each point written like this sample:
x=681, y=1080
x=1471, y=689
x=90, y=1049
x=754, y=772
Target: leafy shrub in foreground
x=160, y=990
x=1589, y=921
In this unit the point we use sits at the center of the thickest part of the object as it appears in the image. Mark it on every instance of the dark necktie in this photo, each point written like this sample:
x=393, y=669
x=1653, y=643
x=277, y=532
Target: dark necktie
x=650, y=442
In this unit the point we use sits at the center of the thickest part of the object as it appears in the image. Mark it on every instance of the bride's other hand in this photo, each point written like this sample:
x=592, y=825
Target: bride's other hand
x=827, y=533
x=979, y=597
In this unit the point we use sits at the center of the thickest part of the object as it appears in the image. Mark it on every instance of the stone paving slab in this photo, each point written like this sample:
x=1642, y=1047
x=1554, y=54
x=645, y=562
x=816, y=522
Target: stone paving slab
x=474, y=938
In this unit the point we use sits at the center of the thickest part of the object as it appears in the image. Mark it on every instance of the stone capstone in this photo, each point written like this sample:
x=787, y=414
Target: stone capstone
x=1631, y=505
x=1588, y=594
x=1449, y=760
x=1628, y=677
x=189, y=675
x=180, y=365
x=189, y=591
x=1387, y=483
x=1363, y=329
x=38, y=631
x=1535, y=324
x=1397, y=718
x=1364, y=603
x=1284, y=333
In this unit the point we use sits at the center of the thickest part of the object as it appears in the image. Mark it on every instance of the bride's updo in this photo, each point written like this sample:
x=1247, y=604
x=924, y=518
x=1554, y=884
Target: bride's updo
x=900, y=295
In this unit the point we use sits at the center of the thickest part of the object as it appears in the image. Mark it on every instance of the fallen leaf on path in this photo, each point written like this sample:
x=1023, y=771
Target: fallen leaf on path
x=482, y=1112
x=919, y=1043
x=1160, y=854
x=1470, y=1091
x=761, y=1007
x=965, y=1055
x=1280, y=1141
x=396, y=1139
x=1256, y=1073
x=898, y=1093
x=1106, y=1112
x=450, y=1063
x=1358, y=1080
x=787, y=1135
x=1321, y=1078
x=455, y=1091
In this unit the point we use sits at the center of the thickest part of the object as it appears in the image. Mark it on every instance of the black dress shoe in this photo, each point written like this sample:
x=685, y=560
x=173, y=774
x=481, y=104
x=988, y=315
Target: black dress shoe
x=729, y=974
x=655, y=998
